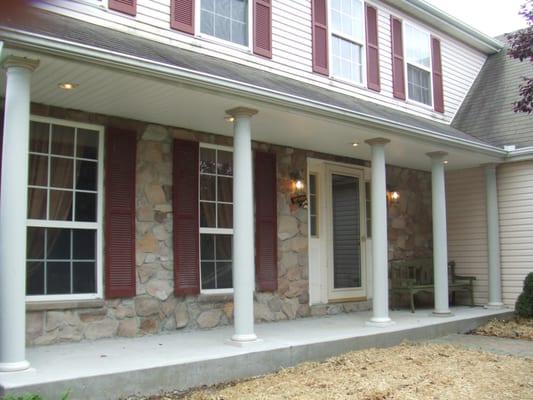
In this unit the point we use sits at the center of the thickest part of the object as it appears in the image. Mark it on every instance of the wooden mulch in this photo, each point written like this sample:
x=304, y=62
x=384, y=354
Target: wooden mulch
x=407, y=371
x=520, y=328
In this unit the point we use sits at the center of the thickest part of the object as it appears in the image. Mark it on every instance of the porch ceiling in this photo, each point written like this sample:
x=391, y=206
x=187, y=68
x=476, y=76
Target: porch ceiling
x=119, y=93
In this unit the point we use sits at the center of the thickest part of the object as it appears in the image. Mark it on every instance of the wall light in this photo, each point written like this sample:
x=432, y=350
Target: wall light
x=393, y=195
x=298, y=196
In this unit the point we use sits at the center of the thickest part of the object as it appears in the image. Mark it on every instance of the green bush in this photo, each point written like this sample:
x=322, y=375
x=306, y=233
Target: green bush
x=30, y=396
x=524, y=303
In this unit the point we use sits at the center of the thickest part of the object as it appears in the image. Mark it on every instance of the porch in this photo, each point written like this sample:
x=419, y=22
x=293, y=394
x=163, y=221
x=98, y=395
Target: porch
x=285, y=118
x=109, y=369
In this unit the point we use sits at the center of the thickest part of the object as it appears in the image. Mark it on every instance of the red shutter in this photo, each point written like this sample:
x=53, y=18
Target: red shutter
x=1, y=143
x=182, y=15
x=438, y=92
x=398, y=74
x=266, y=222
x=121, y=148
x=319, y=17
x=263, y=28
x=185, y=212
x=372, y=49
x=124, y=6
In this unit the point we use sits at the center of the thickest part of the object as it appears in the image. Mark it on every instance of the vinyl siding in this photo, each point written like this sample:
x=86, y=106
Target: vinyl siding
x=467, y=227
x=515, y=198
x=291, y=48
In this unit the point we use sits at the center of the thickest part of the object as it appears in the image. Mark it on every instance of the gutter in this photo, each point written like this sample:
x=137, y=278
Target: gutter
x=523, y=154
x=80, y=52
x=431, y=11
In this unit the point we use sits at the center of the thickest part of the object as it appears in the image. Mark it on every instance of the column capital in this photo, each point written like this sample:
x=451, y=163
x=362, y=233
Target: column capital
x=377, y=141
x=437, y=155
x=21, y=62
x=241, y=112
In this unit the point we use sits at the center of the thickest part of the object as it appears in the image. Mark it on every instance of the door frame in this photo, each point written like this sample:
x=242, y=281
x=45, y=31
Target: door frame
x=356, y=172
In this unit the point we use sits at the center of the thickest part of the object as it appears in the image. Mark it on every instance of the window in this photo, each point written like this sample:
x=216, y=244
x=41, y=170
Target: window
x=64, y=210
x=216, y=217
x=418, y=57
x=225, y=19
x=313, y=205
x=368, y=204
x=347, y=38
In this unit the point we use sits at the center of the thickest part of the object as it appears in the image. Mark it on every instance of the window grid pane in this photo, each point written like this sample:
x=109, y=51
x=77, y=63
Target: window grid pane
x=313, y=205
x=225, y=19
x=216, y=214
x=62, y=186
x=347, y=59
x=419, y=84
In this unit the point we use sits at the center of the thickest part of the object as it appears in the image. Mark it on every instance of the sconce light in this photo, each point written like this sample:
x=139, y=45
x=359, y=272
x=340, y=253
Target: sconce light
x=298, y=196
x=393, y=195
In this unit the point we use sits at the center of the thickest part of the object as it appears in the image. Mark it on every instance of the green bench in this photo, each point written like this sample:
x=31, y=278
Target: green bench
x=416, y=275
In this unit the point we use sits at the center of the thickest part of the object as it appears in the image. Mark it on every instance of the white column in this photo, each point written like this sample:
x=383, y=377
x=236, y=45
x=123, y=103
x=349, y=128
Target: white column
x=243, y=227
x=440, y=242
x=380, y=305
x=493, y=233
x=13, y=202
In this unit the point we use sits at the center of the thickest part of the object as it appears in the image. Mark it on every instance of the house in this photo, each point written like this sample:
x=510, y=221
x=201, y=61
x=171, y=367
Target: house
x=184, y=164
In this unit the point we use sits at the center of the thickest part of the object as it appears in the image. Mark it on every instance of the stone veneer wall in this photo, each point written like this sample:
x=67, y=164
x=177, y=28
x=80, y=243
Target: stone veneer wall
x=155, y=308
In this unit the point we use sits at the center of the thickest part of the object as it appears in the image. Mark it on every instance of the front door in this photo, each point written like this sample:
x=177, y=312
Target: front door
x=347, y=275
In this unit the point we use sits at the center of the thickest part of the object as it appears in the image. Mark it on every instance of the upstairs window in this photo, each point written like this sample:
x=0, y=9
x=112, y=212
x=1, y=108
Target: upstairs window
x=225, y=19
x=418, y=60
x=347, y=39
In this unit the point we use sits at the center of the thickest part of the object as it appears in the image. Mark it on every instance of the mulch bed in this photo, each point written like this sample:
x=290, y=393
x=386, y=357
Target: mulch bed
x=520, y=328
x=407, y=371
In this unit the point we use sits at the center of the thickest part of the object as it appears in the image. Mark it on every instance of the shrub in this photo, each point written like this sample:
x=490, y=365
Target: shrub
x=30, y=396
x=524, y=303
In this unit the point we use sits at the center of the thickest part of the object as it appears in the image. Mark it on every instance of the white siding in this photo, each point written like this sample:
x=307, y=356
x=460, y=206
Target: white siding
x=467, y=227
x=291, y=47
x=515, y=198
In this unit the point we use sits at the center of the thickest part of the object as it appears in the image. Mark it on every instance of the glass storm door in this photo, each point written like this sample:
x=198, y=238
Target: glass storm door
x=347, y=224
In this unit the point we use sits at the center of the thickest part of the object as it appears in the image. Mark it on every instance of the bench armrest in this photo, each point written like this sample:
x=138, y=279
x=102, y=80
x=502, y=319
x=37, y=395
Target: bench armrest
x=463, y=278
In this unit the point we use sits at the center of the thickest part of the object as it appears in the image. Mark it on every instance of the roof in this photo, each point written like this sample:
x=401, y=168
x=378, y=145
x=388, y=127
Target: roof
x=75, y=31
x=487, y=111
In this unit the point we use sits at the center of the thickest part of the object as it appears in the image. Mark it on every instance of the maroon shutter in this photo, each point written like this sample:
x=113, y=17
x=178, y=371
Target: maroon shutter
x=398, y=75
x=121, y=148
x=372, y=49
x=1, y=143
x=438, y=92
x=266, y=222
x=124, y=6
x=320, y=36
x=263, y=28
x=182, y=15
x=185, y=212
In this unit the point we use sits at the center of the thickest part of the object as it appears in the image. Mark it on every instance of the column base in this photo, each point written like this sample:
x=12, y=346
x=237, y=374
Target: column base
x=244, y=340
x=443, y=314
x=14, y=367
x=380, y=322
x=494, y=306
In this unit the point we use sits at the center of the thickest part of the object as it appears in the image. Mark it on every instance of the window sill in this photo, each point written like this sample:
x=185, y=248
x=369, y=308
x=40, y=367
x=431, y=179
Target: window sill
x=64, y=305
x=204, y=38
x=215, y=297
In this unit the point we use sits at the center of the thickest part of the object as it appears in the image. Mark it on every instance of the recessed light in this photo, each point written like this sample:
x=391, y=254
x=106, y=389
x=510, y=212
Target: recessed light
x=445, y=162
x=229, y=118
x=68, y=85
x=355, y=144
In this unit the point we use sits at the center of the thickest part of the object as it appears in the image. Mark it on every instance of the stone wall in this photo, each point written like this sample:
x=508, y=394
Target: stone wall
x=155, y=308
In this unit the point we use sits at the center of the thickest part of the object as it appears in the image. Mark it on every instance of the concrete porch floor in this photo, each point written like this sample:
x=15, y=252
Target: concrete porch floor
x=113, y=368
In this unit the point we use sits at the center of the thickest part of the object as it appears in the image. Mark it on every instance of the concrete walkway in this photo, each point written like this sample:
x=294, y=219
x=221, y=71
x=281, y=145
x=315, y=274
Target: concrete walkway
x=513, y=347
x=114, y=368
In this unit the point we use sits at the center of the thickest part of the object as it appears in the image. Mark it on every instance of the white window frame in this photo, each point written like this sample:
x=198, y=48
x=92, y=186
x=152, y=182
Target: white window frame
x=340, y=35
x=98, y=225
x=423, y=67
x=214, y=39
x=212, y=231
